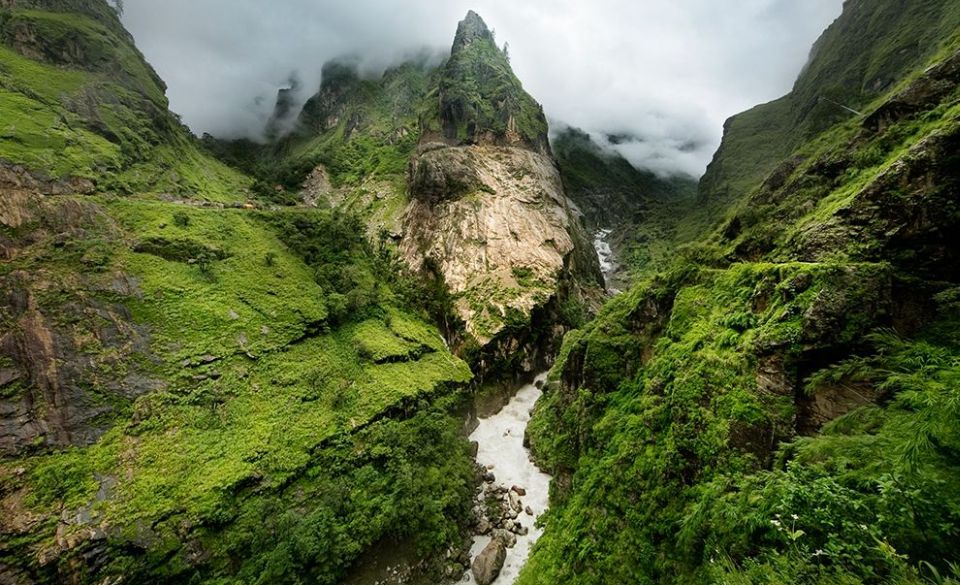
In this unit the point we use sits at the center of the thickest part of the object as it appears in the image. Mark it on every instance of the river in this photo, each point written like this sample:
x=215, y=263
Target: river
x=608, y=263
x=501, y=450
x=499, y=435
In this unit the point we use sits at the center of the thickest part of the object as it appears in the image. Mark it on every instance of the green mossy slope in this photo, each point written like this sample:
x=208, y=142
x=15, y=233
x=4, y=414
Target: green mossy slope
x=288, y=375
x=79, y=101
x=779, y=405
x=840, y=73
x=194, y=390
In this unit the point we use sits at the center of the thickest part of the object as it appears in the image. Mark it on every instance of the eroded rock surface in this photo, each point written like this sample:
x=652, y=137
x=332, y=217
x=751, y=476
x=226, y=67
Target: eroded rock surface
x=495, y=223
x=65, y=337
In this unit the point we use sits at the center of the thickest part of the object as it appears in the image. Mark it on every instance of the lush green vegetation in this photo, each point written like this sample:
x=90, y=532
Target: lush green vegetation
x=86, y=105
x=668, y=486
x=277, y=343
x=479, y=94
x=778, y=404
x=840, y=71
x=777, y=400
x=269, y=400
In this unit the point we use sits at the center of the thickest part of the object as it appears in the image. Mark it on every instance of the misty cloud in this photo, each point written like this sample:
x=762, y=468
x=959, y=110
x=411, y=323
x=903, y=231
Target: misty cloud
x=665, y=73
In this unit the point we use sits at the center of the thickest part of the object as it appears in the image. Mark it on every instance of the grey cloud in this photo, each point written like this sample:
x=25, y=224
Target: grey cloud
x=668, y=72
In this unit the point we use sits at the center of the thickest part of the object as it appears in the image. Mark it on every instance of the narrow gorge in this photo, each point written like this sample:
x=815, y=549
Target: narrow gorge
x=403, y=325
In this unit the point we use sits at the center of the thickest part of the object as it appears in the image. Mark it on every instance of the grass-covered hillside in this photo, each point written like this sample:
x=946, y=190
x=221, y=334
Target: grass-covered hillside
x=780, y=404
x=195, y=390
x=223, y=360
x=840, y=76
x=79, y=102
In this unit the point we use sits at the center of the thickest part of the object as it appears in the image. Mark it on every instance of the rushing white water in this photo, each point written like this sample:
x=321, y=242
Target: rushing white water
x=501, y=445
x=608, y=264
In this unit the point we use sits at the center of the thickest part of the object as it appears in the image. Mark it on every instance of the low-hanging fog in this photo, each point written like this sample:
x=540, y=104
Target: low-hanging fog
x=664, y=73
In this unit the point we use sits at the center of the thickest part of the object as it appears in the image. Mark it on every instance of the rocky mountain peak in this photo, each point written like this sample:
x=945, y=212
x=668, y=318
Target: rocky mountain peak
x=470, y=29
x=481, y=99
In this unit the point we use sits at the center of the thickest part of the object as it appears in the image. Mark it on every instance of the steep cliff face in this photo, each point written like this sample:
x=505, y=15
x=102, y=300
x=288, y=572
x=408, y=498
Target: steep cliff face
x=775, y=403
x=480, y=98
x=495, y=224
x=72, y=354
x=488, y=213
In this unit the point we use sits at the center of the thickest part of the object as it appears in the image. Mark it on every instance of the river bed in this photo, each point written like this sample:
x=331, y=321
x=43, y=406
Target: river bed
x=608, y=263
x=500, y=440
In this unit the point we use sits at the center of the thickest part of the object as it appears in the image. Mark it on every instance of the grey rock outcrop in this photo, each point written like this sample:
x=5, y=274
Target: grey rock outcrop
x=486, y=567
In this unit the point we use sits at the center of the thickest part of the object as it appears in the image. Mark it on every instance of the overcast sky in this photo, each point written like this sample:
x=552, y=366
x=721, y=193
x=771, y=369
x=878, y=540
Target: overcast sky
x=667, y=71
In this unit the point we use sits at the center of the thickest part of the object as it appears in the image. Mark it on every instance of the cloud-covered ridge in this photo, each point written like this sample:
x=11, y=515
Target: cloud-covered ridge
x=666, y=73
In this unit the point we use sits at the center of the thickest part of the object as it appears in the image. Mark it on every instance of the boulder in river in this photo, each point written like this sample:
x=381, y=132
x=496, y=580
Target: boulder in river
x=484, y=527
x=519, y=490
x=506, y=537
x=514, y=501
x=486, y=567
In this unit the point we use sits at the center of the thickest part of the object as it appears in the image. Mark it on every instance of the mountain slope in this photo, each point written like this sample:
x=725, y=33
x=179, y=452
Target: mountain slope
x=191, y=388
x=777, y=407
x=639, y=209
x=80, y=103
x=488, y=212
x=450, y=166
x=839, y=75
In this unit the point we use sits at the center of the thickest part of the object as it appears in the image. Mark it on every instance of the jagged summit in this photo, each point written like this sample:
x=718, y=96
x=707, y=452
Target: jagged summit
x=481, y=100
x=470, y=29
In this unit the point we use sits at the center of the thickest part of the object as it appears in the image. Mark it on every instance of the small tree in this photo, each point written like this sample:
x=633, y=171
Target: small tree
x=506, y=51
x=117, y=5
x=204, y=261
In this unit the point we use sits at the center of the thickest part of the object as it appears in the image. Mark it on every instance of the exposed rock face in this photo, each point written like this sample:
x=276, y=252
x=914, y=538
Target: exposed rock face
x=495, y=224
x=323, y=111
x=285, y=111
x=62, y=337
x=317, y=187
x=488, y=211
x=17, y=183
x=487, y=565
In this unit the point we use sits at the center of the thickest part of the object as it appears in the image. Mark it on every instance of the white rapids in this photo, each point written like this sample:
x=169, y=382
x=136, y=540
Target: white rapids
x=501, y=445
x=608, y=264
